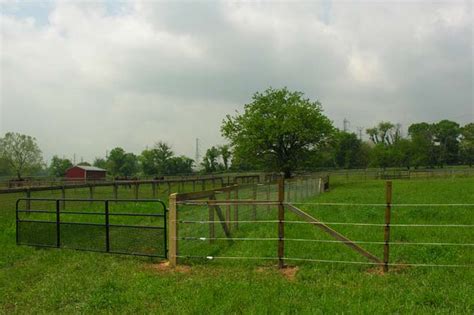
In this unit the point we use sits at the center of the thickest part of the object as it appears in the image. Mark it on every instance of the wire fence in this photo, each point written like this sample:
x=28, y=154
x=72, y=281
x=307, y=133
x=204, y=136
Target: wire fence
x=321, y=232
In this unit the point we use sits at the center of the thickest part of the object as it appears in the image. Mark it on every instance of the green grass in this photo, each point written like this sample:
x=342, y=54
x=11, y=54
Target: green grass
x=67, y=281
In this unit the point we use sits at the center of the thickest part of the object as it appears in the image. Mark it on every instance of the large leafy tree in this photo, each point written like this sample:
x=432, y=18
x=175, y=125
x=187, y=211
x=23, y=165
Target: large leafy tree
x=21, y=153
x=278, y=128
x=385, y=132
x=58, y=166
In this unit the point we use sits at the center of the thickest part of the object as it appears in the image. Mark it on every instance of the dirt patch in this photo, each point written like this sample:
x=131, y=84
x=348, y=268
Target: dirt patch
x=289, y=272
x=392, y=269
x=166, y=267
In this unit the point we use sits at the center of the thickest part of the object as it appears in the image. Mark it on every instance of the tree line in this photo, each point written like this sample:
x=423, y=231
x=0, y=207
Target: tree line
x=279, y=130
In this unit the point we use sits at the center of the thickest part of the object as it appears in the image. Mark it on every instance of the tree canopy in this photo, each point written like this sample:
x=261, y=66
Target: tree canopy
x=21, y=153
x=278, y=128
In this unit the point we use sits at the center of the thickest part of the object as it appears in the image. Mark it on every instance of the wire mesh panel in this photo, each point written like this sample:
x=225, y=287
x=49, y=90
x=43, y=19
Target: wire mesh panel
x=36, y=233
x=135, y=227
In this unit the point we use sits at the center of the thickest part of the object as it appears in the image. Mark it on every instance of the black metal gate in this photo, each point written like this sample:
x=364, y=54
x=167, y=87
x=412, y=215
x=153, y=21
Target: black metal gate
x=105, y=225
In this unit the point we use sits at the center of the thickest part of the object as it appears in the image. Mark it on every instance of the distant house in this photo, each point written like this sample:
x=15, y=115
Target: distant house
x=82, y=172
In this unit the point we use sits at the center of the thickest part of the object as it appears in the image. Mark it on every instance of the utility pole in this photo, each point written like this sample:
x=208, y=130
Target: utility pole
x=359, y=129
x=346, y=125
x=197, y=155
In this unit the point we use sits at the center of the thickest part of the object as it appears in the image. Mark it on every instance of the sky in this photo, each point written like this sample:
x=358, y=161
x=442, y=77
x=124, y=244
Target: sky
x=86, y=76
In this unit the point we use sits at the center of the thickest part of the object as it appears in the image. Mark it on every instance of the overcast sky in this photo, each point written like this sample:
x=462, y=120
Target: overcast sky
x=84, y=77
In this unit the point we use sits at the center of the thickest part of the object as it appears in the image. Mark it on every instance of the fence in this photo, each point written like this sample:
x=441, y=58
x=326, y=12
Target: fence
x=112, y=226
x=137, y=189
x=281, y=222
x=366, y=174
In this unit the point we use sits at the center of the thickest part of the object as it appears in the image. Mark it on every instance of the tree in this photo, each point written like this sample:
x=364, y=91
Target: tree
x=424, y=150
x=100, y=163
x=385, y=132
x=21, y=152
x=278, y=128
x=121, y=163
x=209, y=161
x=225, y=153
x=467, y=144
x=447, y=134
x=347, y=150
x=58, y=166
x=157, y=160
x=180, y=165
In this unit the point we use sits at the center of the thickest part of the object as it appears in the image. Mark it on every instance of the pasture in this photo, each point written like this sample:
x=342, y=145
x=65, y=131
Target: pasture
x=36, y=280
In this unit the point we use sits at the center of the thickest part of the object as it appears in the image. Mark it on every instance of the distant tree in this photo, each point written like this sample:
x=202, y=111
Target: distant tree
x=58, y=166
x=180, y=165
x=447, y=134
x=4, y=167
x=279, y=128
x=84, y=163
x=210, y=160
x=347, y=150
x=467, y=144
x=100, y=163
x=402, y=153
x=225, y=153
x=381, y=156
x=385, y=132
x=156, y=161
x=21, y=152
x=424, y=151
x=121, y=163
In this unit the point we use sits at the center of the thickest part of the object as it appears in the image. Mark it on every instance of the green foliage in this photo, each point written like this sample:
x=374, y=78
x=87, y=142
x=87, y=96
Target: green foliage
x=100, y=163
x=160, y=160
x=121, y=163
x=278, y=129
x=210, y=160
x=446, y=134
x=58, y=166
x=385, y=132
x=21, y=153
x=467, y=144
x=226, y=154
x=349, y=151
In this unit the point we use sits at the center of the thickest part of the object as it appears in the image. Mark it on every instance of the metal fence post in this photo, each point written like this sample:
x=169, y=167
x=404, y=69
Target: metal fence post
x=58, y=224
x=107, y=227
x=281, y=223
x=386, y=247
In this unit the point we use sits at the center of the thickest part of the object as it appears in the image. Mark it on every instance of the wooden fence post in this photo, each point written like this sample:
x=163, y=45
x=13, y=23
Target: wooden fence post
x=173, y=231
x=281, y=223
x=386, y=247
x=212, y=227
x=236, y=208
x=227, y=211
x=136, y=190
x=153, y=189
x=28, y=202
x=91, y=192
x=115, y=190
x=254, y=197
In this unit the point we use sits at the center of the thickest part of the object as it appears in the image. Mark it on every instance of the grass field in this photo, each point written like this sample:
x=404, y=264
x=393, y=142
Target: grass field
x=66, y=281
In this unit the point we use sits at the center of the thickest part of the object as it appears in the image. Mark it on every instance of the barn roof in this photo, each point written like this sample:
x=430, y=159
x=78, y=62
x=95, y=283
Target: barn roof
x=90, y=168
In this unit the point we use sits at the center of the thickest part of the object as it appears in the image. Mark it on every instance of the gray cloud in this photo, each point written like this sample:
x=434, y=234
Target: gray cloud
x=96, y=77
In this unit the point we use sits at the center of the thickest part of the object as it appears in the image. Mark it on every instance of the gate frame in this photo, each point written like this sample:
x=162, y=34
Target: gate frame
x=107, y=225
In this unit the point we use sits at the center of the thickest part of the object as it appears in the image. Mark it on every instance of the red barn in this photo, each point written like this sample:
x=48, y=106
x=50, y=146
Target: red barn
x=85, y=173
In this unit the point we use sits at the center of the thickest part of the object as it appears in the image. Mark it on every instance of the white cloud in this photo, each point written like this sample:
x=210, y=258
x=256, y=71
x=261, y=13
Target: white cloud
x=92, y=78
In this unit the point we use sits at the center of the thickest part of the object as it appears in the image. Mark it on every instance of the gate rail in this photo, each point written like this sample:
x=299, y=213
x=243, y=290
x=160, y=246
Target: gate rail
x=59, y=203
